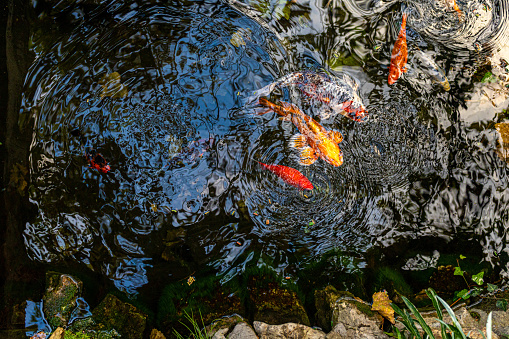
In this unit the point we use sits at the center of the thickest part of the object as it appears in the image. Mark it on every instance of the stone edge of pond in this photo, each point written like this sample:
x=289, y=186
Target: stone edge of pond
x=345, y=315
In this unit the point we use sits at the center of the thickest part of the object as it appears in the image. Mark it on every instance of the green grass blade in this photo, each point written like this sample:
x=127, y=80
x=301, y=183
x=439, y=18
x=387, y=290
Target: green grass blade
x=419, y=317
x=406, y=320
x=488, y=326
x=413, y=329
x=453, y=317
x=433, y=296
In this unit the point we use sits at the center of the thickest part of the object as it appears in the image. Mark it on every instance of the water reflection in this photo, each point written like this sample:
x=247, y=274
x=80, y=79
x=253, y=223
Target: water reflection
x=149, y=86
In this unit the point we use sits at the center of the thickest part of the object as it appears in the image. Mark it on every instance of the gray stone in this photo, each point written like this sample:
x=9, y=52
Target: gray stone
x=288, y=330
x=242, y=331
x=220, y=334
x=350, y=322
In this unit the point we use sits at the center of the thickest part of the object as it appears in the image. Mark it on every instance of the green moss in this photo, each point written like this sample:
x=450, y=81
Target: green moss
x=112, y=313
x=77, y=335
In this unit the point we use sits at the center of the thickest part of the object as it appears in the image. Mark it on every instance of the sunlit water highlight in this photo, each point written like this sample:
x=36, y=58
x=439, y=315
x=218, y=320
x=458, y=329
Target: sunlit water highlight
x=143, y=82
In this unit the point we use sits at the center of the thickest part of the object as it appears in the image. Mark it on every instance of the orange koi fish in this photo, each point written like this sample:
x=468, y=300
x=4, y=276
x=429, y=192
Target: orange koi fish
x=289, y=175
x=452, y=4
x=399, y=55
x=314, y=140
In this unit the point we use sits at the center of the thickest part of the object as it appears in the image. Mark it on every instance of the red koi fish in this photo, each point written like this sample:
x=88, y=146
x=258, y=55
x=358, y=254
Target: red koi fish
x=97, y=161
x=290, y=176
x=399, y=55
x=314, y=141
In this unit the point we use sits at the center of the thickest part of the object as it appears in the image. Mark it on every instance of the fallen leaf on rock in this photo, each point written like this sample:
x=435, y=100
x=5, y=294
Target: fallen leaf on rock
x=382, y=304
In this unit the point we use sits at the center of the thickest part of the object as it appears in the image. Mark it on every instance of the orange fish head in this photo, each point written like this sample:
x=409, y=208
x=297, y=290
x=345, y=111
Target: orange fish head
x=331, y=153
x=393, y=76
x=305, y=184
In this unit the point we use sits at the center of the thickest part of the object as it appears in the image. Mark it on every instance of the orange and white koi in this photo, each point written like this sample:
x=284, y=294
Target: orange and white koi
x=289, y=175
x=338, y=93
x=453, y=5
x=399, y=55
x=314, y=141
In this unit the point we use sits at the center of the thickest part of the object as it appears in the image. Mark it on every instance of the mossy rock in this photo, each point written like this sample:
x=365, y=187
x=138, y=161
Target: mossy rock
x=60, y=298
x=204, y=299
x=325, y=299
x=112, y=313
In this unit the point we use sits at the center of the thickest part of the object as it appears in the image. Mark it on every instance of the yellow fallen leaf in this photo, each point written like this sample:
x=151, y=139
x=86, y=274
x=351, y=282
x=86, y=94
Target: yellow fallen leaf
x=190, y=280
x=112, y=86
x=382, y=304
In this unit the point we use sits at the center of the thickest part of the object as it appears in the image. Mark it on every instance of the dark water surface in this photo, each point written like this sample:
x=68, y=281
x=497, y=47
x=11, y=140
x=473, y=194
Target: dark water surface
x=159, y=88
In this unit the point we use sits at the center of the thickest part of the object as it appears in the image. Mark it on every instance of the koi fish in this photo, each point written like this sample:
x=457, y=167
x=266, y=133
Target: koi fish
x=399, y=55
x=289, y=175
x=314, y=141
x=432, y=69
x=452, y=4
x=338, y=93
x=97, y=161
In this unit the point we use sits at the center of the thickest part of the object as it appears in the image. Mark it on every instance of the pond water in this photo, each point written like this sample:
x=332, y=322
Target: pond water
x=159, y=91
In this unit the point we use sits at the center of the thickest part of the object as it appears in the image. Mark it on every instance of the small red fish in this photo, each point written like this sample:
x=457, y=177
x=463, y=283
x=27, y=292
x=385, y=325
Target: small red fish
x=97, y=161
x=399, y=55
x=289, y=175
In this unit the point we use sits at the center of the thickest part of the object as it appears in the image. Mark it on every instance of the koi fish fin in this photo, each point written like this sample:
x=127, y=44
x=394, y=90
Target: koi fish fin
x=307, y=156
x=265, y=111
x=298, y=141
x=262, y=92
x=336, y=136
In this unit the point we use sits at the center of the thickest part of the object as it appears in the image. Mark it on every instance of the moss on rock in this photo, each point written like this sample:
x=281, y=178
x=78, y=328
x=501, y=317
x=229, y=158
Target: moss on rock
x=60, y=298
x=112, y=313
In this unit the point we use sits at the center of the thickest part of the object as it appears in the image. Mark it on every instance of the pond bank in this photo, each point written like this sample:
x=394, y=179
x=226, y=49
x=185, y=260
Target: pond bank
x=336, y=315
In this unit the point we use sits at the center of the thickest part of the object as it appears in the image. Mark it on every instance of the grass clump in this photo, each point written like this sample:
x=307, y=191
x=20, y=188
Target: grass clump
x=195, y=331
x=447, y=331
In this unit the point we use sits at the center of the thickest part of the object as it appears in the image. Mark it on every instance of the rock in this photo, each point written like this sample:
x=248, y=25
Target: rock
x=57, y=334
x=353, y=319
x=113, y=313
x=276, y=305
x=155, y=334
x=242, y=331
x=325, y=300
x=219, y=328
x=500, y=320
x=221, y=334
x=60, y=298
x=288, y=330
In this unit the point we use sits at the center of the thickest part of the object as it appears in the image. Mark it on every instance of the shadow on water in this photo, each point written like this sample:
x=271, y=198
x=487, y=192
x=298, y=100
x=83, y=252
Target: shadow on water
x=159, y=91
